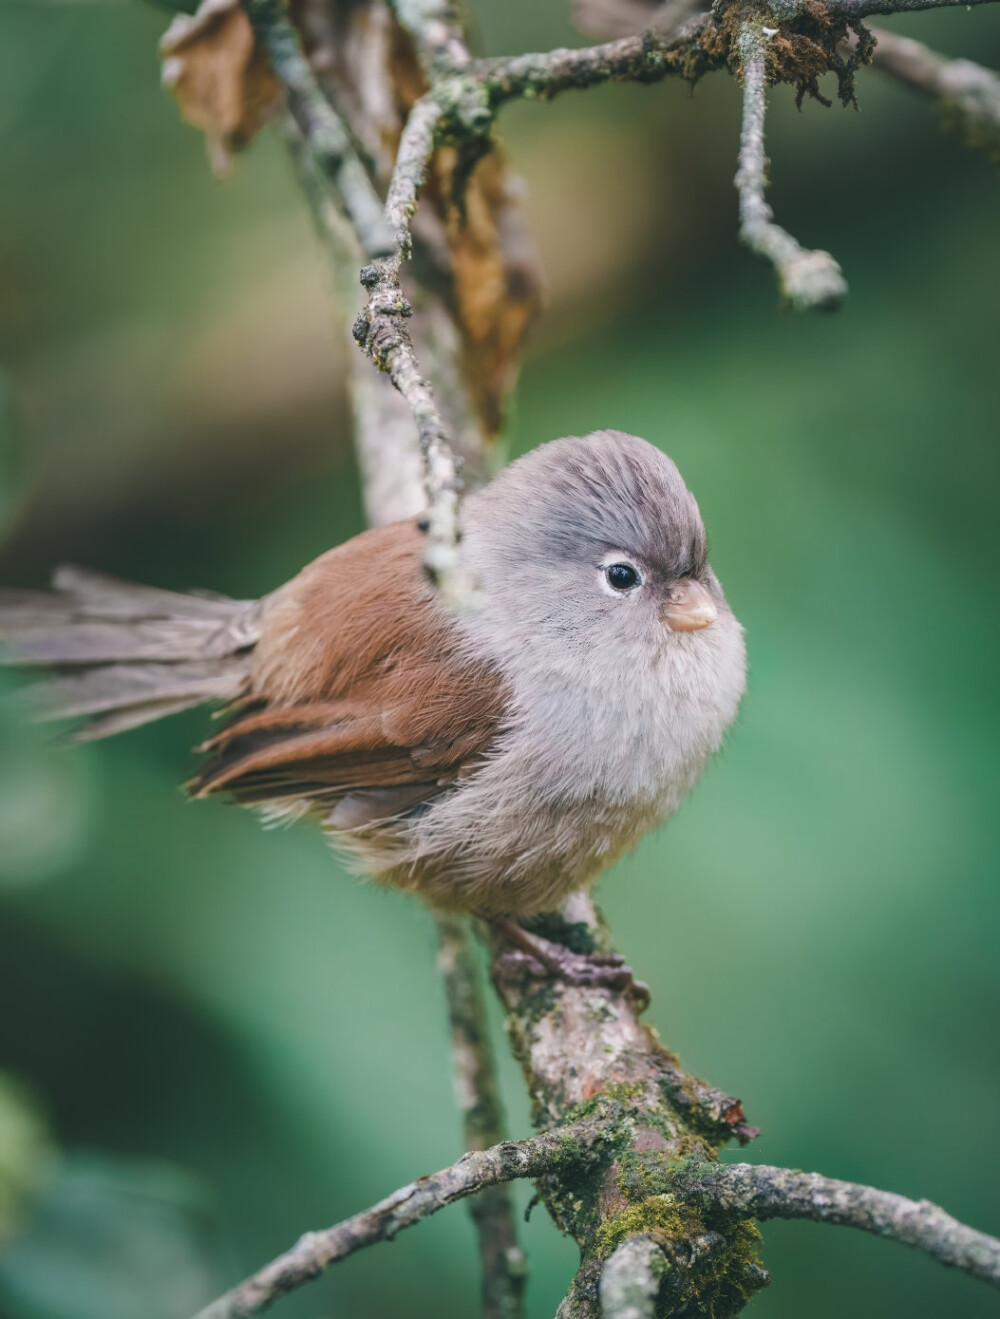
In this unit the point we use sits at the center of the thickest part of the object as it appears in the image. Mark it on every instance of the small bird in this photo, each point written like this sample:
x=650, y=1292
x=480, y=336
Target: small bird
x=493, y=761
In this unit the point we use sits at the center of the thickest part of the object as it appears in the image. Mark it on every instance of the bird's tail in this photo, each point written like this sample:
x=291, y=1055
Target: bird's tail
x=122, y=655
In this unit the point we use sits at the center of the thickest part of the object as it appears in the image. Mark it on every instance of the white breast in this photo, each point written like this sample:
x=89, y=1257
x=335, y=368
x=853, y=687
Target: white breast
x=583, y=768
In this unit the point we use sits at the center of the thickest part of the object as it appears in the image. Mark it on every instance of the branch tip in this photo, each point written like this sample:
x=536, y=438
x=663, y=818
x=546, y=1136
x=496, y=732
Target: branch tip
x=808, y=280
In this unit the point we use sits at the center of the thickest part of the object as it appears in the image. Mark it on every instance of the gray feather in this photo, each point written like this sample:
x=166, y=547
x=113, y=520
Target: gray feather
x=124, y=655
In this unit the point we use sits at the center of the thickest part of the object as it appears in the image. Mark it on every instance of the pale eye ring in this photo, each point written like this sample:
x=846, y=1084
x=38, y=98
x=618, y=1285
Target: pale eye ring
x=622, y=577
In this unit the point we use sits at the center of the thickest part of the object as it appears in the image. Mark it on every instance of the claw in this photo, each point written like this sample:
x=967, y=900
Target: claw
x=540, y=958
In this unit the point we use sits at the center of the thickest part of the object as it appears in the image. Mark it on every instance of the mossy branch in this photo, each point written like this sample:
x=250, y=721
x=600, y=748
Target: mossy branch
x=767, y=1192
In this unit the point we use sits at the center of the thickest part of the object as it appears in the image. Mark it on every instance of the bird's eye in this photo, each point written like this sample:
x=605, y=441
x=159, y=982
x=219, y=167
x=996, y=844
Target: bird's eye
x=621, y=576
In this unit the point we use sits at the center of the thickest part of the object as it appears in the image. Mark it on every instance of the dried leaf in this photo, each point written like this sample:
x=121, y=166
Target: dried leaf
x=222, y=81
x=497, y=285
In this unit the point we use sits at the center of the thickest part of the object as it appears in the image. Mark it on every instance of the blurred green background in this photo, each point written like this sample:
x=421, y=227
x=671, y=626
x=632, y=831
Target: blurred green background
x=210, y=1037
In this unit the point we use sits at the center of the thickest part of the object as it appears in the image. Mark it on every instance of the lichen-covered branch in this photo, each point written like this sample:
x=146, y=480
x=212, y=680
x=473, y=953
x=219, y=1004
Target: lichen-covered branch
x=646, y=57
x=438, y=29
x=504, y=1269
x=631, y=1279
x=807, y=279
x=766, y=1192
x=381, y=332
x=316, y=1251
x=585, y=1053
x=322, y=128
x=968, y=92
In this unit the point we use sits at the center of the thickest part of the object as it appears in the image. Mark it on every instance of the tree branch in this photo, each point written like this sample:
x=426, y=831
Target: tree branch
x=646, y=57
x=321, y=126
x=808, y=279
x=316, y=1251
x=631, y=1279
x=477, y=1093
x=767, y=1192
x=856, y=9
x=437, y=28
x=381, y=333
x=584, y=1051
x=967, y=90
x=385, y=238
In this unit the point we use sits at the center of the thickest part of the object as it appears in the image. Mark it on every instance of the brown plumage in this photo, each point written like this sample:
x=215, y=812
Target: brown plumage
x=357, y=683
x=336, y=688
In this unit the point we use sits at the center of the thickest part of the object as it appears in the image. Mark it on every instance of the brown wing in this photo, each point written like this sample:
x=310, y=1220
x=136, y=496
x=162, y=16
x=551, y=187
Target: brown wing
x=358, y=686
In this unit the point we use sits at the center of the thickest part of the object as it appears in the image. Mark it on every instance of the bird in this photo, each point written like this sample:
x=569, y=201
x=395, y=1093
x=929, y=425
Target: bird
x=493, y=760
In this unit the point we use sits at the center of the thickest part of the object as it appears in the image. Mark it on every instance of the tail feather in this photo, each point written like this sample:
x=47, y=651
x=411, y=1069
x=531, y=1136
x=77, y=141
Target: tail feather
x=115, y=686
x=123, y=655
x=132, y=716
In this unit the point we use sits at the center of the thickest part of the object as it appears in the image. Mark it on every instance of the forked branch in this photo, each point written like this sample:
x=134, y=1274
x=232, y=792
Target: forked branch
x=631, y=1273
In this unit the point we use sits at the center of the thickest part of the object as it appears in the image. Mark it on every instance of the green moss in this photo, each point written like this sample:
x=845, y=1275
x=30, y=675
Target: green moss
x=609, y=1103
x=657, y=1216
x=722, y=1284
x=717, y=1279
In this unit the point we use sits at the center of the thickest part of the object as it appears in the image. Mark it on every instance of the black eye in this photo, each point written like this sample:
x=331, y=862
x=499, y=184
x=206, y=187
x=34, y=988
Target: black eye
x=621, y=576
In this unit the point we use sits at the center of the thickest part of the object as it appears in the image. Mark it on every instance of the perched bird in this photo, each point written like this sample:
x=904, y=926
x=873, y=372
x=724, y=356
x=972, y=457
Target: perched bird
x=493, y=761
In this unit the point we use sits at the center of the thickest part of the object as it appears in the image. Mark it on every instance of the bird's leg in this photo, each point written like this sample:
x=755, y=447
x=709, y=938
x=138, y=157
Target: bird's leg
x=534, y=954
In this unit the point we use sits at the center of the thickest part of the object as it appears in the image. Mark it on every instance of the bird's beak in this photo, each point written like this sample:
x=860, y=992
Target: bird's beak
x=689, y=607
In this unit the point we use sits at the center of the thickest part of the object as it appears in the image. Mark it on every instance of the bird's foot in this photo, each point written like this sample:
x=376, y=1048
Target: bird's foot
x=532, y=955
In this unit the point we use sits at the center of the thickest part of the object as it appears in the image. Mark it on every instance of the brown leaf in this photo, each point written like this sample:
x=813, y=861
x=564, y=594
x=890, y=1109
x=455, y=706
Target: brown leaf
x=496, y=280
x=223, y=82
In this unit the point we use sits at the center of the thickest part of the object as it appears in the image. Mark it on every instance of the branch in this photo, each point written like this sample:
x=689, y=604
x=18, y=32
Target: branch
x=381, y=333
x=631, y=1280
x=437, y=28
x=807, y=279
x=321, y=126
x=856, y=9
x=968, y=90
x=767, y=1192
x=477, y=1093
x=585, y=1052
x=316, y=1251
x=385, y=238
x=646, y=57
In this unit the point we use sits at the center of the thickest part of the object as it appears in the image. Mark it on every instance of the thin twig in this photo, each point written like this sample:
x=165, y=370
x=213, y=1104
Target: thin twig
x=621, y=18
x=316, y=1251
x=807, y=279
x=855, y=9
x=968, y=90
x=477, y=1094
x=646, y=57
x=321, y=126
x=438, y=29
x=382, y=334
x=767, y=1192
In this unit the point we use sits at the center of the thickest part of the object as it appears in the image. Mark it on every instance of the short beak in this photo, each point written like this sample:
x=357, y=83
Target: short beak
x=689, y=607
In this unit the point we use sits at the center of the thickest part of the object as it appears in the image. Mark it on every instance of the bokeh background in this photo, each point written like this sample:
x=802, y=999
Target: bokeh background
x=210, y=1037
